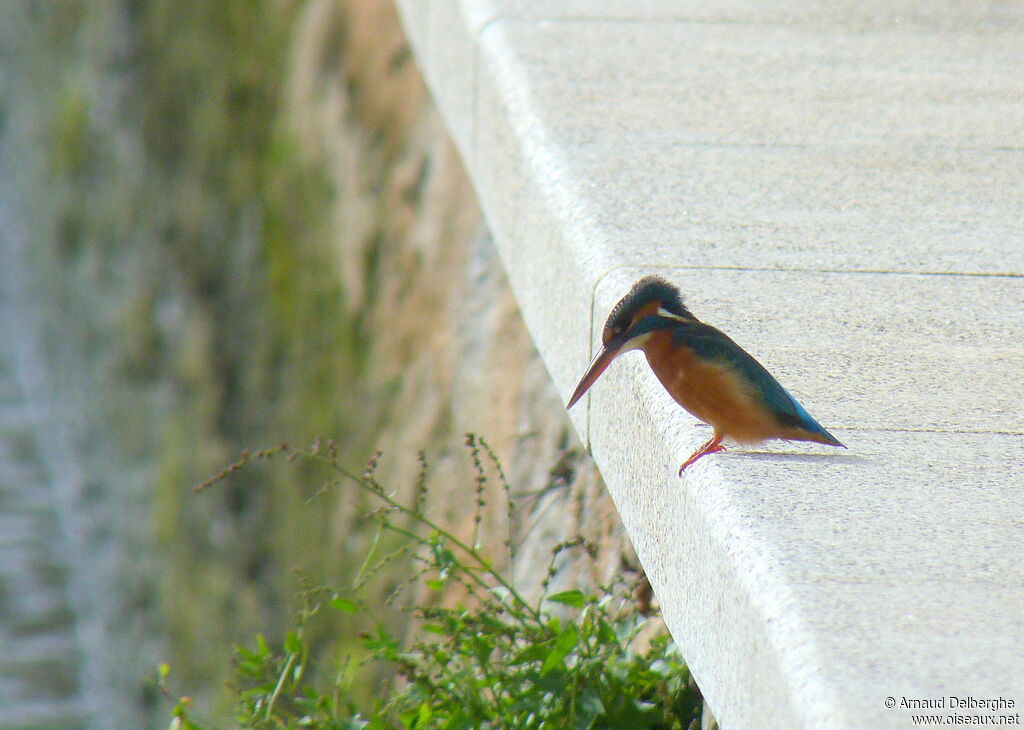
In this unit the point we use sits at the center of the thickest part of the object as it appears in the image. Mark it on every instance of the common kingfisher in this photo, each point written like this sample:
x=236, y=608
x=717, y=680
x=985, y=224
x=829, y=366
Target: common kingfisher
x=703, y=370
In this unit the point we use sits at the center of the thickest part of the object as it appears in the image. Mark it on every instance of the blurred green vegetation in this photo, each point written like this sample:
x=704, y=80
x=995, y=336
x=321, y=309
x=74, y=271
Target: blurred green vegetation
x=482, y=654
x=275, y=353
x=191, y=257
x=189, y=270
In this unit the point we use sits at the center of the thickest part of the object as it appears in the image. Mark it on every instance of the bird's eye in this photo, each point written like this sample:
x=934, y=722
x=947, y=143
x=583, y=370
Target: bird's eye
x=612, y=332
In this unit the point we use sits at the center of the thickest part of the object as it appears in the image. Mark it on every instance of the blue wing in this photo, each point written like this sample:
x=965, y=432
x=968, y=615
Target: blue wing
x=713, y=344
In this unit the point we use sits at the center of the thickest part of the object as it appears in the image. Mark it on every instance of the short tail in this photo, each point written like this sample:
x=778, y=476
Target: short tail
x=821, y=436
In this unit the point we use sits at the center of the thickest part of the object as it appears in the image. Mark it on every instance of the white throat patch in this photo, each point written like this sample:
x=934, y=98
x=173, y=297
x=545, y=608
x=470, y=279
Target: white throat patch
x=636, y=343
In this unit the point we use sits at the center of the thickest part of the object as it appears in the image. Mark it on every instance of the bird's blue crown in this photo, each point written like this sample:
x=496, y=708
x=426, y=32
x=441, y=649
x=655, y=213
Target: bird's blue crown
x=646, y=290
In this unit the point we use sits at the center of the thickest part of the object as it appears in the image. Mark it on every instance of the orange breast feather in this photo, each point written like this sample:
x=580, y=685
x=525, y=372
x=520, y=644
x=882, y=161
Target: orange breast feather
x=713, y=392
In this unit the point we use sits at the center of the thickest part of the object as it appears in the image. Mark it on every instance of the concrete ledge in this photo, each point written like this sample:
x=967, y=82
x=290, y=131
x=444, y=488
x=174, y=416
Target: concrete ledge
x=840, y=187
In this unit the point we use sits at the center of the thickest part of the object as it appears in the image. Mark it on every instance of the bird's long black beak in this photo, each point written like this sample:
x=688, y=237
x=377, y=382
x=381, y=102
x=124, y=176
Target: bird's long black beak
x=597, y=366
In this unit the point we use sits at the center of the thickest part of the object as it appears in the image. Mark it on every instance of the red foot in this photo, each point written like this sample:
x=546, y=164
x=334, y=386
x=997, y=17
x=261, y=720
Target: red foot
x=713, y=446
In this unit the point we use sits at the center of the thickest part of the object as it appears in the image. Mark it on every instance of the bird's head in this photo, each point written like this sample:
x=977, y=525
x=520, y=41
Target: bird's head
x=651, y=305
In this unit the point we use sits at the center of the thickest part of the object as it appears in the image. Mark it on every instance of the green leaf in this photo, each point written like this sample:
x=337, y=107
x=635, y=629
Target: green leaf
x=458, y=721
x=344, y=604
x=482, y=649
x=569, y=598
x=444, y=558
x=292, y=643
x=262, y=648
x=424, y=715
x=532, y=653
x=565, y=643
x=606, y=634
x=407, y=718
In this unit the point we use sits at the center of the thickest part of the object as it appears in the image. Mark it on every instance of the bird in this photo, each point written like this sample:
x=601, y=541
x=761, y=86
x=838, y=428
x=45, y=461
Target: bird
x=703, y=370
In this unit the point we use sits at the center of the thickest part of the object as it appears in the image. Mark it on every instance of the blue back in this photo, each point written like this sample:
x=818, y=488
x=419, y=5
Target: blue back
x=712, y=344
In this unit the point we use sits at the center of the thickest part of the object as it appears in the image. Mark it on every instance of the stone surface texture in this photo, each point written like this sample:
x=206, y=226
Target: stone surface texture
x=840, y=187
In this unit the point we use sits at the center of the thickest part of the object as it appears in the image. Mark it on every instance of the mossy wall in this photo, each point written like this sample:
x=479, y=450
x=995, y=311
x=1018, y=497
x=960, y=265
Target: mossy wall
x=248, y=226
